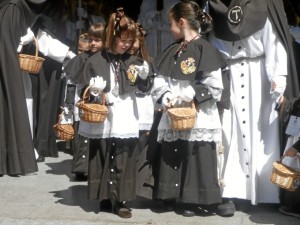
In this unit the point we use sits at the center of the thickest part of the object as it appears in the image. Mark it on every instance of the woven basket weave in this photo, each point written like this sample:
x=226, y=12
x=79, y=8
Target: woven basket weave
x=63, y=131
x=92, y=112
x=183, y=118
x=285, y=177
x=31, y=63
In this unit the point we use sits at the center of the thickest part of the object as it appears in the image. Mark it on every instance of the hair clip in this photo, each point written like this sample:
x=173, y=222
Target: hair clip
x=140, y=28
x=203, y=16
x=83, y=36
x=120, y=20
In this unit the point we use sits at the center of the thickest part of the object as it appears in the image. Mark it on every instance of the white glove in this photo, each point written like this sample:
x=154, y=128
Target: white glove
x=187, y=94
x=143, y=70
x=26, y=39
x=67, y=117
x=168, y=99
x=97, y=85
x=278, y=86
x=19, y=49
x=51, y=47
x=70, y=55
x=66, y=110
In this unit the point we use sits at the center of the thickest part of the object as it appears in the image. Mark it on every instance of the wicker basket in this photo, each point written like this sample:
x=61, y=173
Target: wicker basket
x=92, y=112
x=31, y=63
x=63, y=131
x=285, y=177
x=183, y=118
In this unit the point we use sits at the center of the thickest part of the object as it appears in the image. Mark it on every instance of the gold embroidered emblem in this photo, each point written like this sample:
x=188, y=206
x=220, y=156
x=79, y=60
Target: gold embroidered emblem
x=188, y=66
x=132, y=73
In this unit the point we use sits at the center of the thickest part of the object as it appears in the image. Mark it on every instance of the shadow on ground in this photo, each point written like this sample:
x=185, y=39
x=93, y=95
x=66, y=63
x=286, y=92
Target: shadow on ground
x=76, y=196
x=269, y=214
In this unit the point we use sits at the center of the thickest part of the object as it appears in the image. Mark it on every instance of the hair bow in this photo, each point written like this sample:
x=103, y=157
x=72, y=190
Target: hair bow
x=120, y=20
x=140, y=28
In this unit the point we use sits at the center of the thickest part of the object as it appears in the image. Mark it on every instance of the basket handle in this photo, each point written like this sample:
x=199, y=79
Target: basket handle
x=85, y=92
x=281, y=158
x=103, y=99
x=284, y=155
x=60, y=116
x=36, y=47
x=84, y=97
x=193, y=106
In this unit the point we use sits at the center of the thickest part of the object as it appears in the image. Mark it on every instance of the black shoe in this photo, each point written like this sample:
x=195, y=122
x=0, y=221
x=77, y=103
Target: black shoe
x=105, y=205
x=289, y=211
x=122, y=211
x=80, y=177
x=40, y=159
x=14, y=175
x=226, y=209
x=189, y=210
x=188, y=213
x=169, y=204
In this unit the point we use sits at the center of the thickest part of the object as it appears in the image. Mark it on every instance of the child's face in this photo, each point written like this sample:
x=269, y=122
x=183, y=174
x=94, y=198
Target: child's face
x=83, y=46
x=175, y=29
x=96, y=44
x=123, y=44
x=135, y=47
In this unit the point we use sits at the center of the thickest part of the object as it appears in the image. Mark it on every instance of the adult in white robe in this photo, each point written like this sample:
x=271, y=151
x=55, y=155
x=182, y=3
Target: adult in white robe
x=250, y=126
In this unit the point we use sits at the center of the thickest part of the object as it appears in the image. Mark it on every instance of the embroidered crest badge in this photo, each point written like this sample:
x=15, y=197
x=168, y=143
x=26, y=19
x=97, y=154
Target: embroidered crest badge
x=235, y=14
x=188, y=66
x=132, y=73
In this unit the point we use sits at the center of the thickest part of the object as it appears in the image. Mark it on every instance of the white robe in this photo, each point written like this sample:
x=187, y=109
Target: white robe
x=145, y=108
x=29, y=102
x=250, y=126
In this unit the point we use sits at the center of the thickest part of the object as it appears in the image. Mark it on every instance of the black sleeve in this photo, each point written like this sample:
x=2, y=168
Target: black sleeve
x=145, y=85
x=70, y=94
x=202, y=93
x=224, y=102
x=297, y=145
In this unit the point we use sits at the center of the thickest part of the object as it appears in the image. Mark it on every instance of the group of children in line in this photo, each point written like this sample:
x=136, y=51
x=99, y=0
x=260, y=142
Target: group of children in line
x=119, y=67
x=135, y=150
x=182, y=166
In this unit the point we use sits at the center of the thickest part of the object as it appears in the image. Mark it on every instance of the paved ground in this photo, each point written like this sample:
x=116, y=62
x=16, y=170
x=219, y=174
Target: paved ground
x=52, y=197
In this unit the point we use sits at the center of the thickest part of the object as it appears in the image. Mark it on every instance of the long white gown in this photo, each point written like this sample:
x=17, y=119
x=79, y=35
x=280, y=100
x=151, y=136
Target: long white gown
x=250, y=126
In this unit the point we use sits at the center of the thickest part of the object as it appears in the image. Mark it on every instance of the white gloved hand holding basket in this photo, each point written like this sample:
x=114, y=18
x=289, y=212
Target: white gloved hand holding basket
x=97, y=85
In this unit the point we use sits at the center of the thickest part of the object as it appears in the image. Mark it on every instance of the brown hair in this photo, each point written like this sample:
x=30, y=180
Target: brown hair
x=140, y=35
x=192, y=12
x=97, y=31
x=119, y=25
